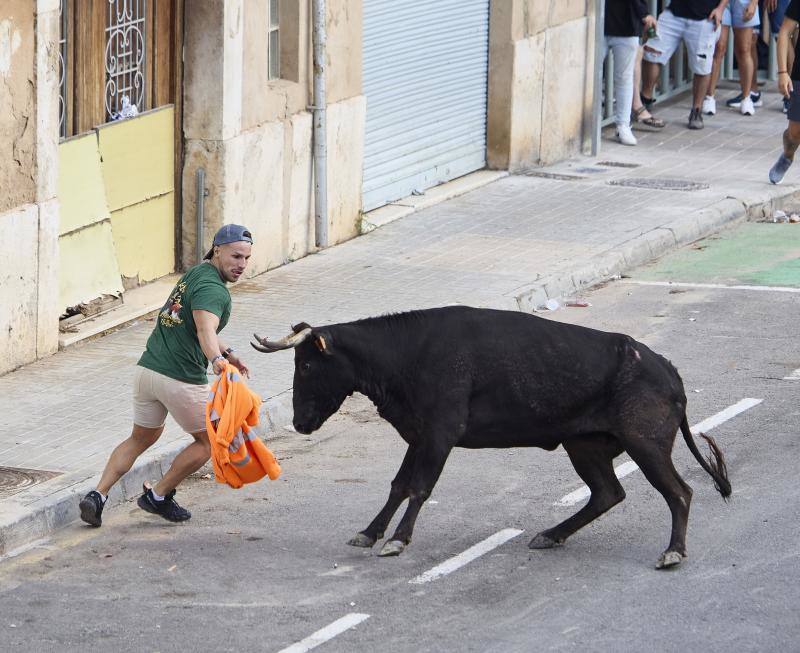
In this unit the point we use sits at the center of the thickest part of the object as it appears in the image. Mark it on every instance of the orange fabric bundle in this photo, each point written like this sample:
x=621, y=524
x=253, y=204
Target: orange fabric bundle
x=238, y=455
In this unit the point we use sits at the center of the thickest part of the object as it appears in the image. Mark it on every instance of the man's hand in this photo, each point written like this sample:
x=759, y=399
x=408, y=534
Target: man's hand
x=750, y=10
x=785, y=86
x=239, y=363
x=218, y=365
x=716, y=16
x=770, y=5
x=650, y=21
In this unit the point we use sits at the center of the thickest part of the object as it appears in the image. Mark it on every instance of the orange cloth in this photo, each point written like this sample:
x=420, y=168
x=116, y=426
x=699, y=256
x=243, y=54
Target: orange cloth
x=238, y=455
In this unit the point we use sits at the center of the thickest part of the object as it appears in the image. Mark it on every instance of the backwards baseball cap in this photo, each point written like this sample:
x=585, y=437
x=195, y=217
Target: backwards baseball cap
x=229, y=233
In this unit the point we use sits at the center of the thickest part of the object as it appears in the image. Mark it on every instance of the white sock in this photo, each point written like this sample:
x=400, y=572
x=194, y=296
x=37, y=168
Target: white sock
x=157, y=497
x=102, y=496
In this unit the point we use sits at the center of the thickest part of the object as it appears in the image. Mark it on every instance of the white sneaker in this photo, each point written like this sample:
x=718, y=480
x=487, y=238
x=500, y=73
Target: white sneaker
x=747, y=107
x=709, y=105
x=625, y=135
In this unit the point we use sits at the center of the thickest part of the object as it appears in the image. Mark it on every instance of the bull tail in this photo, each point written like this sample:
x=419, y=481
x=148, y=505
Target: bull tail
x=714, y=464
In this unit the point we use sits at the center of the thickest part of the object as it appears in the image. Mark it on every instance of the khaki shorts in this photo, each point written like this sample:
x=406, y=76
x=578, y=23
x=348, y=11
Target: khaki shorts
x=155, y=395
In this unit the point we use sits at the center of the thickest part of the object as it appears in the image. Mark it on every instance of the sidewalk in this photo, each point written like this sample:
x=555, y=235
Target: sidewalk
x=510, y=244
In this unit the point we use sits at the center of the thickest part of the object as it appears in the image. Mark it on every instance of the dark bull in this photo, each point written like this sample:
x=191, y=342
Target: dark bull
x=475, y=378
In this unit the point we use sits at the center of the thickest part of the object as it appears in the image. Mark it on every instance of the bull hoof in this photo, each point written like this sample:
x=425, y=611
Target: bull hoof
x=542, y=541
x=392, y=548
x=362, y=541
x=669, y=559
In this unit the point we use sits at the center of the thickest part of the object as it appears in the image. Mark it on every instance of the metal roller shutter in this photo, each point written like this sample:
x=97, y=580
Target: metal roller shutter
x=425, y=79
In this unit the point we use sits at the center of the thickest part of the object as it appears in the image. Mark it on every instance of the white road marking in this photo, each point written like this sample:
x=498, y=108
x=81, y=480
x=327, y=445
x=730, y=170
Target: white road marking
x=327, y=633
x=465, y=557
x=627, y=467
x=794, y=376
x=721, y=286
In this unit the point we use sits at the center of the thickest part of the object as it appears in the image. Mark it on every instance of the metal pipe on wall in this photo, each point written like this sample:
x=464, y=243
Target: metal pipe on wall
x=200, y=180
x=319, y=37
x=597, y=100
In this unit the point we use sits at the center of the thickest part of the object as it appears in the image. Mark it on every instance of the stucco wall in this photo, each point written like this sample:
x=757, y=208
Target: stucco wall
x=255, y=147
x=541, y=59
x=17, y=104
x=29, y=210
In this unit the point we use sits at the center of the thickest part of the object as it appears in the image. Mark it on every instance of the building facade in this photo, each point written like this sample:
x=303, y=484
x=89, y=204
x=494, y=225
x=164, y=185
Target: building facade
x=131, y=130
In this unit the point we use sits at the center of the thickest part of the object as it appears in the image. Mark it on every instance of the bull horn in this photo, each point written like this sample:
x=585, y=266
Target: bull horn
x=290, y=341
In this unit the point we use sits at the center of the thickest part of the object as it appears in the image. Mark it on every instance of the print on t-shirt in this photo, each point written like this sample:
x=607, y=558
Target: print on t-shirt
x=170, y=313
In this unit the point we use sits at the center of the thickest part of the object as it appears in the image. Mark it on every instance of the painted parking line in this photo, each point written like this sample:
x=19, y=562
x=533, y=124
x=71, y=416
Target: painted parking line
x=327, y=633
x=627, y=467
x=464, y=558
x=721, y=286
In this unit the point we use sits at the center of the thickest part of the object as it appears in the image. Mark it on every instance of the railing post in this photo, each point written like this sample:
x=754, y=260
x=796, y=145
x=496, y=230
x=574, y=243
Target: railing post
x=772, y=66
x=608, y=73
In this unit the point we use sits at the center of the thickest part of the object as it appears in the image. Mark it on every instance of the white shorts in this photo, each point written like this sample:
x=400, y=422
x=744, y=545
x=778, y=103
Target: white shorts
x=699, y=36
x=155, y=395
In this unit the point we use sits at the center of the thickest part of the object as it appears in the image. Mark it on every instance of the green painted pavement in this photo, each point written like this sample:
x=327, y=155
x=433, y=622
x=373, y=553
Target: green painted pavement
x=757, y=253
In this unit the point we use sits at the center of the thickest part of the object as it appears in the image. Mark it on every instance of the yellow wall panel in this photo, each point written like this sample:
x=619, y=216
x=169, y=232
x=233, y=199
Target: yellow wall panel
x=80, y=184
x=144, y=235
x=138, y=157
x=88, y=265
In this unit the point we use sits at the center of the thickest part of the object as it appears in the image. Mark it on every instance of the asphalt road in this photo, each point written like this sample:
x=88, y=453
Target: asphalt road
x=265, y=567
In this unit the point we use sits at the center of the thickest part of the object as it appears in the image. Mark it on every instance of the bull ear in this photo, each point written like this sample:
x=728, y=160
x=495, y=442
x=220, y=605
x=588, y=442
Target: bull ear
x=297, y=328
x=323, y=342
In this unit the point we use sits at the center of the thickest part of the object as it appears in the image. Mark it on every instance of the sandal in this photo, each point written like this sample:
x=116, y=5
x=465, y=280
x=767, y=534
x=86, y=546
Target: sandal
x=652, y=121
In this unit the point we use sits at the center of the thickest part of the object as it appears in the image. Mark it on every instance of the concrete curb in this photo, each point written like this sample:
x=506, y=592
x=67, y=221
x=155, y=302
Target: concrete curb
x=648, y=247
x=24, y=525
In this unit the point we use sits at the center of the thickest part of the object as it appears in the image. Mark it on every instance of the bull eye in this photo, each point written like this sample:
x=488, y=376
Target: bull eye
x=306, y=366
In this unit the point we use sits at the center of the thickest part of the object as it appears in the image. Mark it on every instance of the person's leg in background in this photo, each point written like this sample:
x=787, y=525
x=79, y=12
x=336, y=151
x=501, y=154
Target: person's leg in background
x=658, y=51
x=787, y=86
x=700, y=38
x=640, y=114
x=709, y=101
x=743, y=46
x=624, y=49
x=745, y=19
x=791, y=141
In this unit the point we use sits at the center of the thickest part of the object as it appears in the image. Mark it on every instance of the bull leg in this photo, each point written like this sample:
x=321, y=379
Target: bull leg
x=655, y=461
x=398, y=493
x=592, y=456
x=428, y=465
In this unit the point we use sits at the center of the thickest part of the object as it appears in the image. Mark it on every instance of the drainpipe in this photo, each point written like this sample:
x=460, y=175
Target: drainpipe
x=597, y=103
x=320, y=128
x=200, y=180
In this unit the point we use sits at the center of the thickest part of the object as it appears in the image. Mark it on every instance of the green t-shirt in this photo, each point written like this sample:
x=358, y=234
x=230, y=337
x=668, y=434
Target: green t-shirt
x=173, y=348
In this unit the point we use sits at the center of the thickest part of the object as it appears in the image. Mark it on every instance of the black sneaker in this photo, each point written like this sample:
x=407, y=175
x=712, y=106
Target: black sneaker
x=168, y=508
x=695, y=119
x=92, y=508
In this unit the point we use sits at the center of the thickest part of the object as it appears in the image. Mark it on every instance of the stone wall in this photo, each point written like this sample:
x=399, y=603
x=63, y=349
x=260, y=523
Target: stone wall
x=541, y=60
x=17, y=104
x=253, y=138
x=29, y=212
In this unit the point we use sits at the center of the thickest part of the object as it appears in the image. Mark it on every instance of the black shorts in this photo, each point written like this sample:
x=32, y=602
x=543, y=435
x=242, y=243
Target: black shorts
x=794, y=103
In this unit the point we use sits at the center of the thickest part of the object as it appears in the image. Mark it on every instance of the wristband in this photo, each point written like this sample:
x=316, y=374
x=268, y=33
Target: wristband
x=227, y=352
x=783, y=72
x=217, y=358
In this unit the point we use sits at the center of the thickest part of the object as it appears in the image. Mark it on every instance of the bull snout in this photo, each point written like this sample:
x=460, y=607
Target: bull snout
x=306, y=422
x=303, y=427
